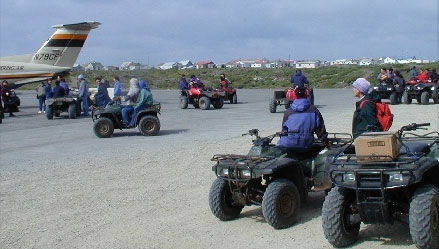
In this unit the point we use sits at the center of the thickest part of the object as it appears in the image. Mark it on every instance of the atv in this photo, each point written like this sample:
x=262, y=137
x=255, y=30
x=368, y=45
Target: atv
x=286, y=97
x=421, y=91
x=56, y=106
x=110, y=117
x=201, y=97
x=270, y=176
x=387, y=91
x=230, y=94
x=384, y=191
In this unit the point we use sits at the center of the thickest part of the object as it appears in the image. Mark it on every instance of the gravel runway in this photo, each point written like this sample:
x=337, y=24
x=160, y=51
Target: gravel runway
x=62, y=187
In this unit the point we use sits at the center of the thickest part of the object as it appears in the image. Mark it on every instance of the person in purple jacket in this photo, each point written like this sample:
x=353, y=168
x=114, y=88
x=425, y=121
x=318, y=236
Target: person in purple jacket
x=63, y=84
x=300, y=122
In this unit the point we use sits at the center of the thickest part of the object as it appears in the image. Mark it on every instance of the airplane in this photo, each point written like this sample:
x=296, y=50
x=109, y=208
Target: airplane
x=55, y=57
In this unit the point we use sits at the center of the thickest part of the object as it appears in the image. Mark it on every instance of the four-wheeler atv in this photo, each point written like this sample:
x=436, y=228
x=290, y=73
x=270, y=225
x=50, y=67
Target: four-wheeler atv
x=201, y=97
x=420, y=91
x=55, y=106
x=387, y=91
x=381, y=192
x=270, y=176
x=230, y=94
x=286, y=97
x=110, y=117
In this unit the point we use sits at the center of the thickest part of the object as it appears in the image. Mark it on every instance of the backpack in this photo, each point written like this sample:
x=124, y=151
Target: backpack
x=384, y=115
x=41, y=91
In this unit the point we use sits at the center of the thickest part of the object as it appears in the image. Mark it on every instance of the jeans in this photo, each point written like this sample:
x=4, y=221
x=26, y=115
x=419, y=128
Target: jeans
x=126, y=113
x=42, y=103
x=84, y=100
x=134, y=117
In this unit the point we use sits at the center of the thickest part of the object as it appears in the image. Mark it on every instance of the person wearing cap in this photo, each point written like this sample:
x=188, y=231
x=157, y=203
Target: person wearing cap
x=365, y=113
x=145, y=100
x=83, y=94
x=300, y=122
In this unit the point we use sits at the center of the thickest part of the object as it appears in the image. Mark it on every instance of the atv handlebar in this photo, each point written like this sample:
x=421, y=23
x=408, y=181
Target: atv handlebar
x=412, y=127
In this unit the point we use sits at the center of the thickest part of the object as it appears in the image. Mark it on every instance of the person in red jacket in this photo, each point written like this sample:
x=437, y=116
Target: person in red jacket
x=423, y=76
x=224, y=82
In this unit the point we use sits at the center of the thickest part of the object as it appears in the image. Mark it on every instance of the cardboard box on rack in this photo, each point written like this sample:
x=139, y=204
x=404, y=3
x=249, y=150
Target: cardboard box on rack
x=377, y=146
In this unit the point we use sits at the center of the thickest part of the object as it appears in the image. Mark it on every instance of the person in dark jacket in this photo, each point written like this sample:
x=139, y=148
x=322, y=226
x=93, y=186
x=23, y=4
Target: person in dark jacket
x=195, y=82
x=58, y=91
x=117, y=90
x=365, y=112
x=434, y=76
x=399, y=83
x=301, y=121
x=299, y=80
x=63, y=84
x=7, y=97
x=48, y=89
x=101, y=97
x=382, y=76
x=183, y=83
x=224, y=82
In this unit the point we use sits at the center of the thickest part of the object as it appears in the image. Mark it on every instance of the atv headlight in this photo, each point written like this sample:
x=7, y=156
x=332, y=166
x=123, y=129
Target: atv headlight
x=225, y=172
x=407, y=87
x=389, y=89
x=375, y=88
x=245, y=173
x=396, y=177
x=349, y=177
x=432, y=88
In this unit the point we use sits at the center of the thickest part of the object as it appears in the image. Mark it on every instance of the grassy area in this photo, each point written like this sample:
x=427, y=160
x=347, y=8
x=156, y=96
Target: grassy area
x=324, y=77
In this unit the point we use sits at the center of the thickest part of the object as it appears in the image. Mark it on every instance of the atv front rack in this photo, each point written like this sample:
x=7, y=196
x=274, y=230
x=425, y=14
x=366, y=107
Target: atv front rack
x=243, y=159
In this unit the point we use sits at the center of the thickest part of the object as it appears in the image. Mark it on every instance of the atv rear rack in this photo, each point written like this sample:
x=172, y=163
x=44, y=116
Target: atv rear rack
x=243, y=160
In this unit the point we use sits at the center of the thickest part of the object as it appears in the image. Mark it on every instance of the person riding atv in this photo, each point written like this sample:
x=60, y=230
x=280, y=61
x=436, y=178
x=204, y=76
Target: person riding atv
x=230, y=92
x=200, y=96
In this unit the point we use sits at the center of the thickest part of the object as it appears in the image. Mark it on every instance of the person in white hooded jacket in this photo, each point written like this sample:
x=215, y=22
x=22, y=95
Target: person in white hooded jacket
x=130, y=100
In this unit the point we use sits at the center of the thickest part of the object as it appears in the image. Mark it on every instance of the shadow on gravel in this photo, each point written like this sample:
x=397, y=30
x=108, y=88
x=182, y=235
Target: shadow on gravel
x=308, y=211
x=320, y=106
x=135, y=132
x=397, y=234
x=170, y=132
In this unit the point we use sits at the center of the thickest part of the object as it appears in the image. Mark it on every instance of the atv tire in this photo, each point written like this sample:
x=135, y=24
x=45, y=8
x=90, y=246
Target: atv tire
x=406, y=98
x=425, y=98
x=218, y=103
x=103, y=127
x=272, y=106
x=436, y=96
x=72, y=111
x=281, y=203
x=336, y=231
x=424, y=217
x=183, y=102
x=149, y=125
x=57, y=114
x=204, y=103
x=393, y=99
x=221, y=202
x=235, y=99
x=49, y=112
x=78, y=109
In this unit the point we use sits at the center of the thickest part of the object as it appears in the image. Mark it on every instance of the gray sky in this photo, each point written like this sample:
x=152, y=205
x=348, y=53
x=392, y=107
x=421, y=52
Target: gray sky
x=222, y=30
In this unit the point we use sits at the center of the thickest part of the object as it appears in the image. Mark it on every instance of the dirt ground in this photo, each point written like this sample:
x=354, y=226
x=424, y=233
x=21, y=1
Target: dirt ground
x=62, y=187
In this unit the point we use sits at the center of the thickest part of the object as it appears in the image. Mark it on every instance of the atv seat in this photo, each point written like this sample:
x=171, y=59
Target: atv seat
x=415, y=147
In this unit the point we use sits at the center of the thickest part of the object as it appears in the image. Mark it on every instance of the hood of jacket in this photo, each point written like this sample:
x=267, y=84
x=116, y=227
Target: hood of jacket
x=299, y=73
x=300, y=105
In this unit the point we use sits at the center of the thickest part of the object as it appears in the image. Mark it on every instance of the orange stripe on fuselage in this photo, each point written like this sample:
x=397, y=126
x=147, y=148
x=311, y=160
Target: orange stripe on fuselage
x=18, y=76
x=69, y=36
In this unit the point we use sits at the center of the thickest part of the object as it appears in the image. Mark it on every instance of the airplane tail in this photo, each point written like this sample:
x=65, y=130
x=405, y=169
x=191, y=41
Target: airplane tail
x=63, y=47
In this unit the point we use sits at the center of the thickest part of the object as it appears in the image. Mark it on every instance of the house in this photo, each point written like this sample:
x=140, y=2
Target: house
x=389, y=60
x=365, y=62
x=185, y=64
x=260, y=63
x=278, y=63
x=94, y=66
x=110, y=68
x=308, y=64
x=130, y=66
x=77, y=68
x=338, y=62
x=169, y=65
x=204, y=64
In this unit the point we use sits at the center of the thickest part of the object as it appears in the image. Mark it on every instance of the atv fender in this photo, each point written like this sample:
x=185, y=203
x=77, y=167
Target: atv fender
x=288, y=169
x=427, y=171
x=145, y=113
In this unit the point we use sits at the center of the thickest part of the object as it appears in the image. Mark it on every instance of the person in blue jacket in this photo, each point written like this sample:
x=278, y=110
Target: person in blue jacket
x=299, y=80
x=300, y=122
x=101, y=97
x=83, y=94
x=117, y=89
x=63, y=84
x=58, y=91
x=48, y=89
x=183, y=83
x=144, y=101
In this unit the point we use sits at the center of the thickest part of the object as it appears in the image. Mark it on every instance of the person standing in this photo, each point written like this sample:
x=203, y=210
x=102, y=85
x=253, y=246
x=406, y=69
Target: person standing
x=117, y=89
x=83, y=94
x=365, y=112
x=41, y=96
x=48, y=89
x=413, y=73
x=58, y=91
x=183, y=83
x=299, y=79
x=399, y=83
x=101, y=97
x=63, y=84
